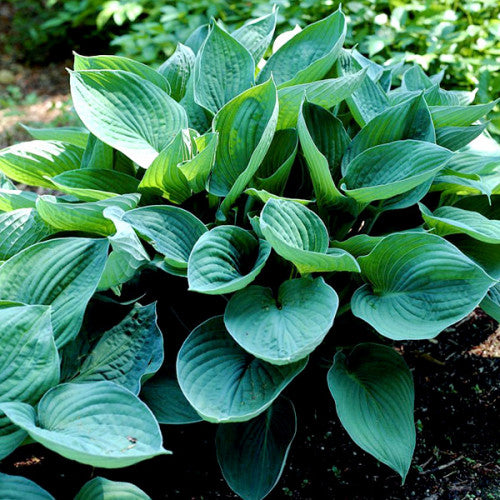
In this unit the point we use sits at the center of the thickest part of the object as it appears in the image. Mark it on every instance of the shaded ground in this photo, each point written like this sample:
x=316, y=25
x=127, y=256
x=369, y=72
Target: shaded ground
x=33, y=96
x=457, y=391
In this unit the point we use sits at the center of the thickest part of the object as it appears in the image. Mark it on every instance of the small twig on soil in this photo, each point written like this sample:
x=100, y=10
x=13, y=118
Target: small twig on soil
x=444, y=466
x=426, y=463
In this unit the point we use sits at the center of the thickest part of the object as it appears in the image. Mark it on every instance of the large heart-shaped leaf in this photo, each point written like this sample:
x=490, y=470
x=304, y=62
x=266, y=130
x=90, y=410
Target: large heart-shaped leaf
x=100, y=488
x=197, y=169
x=128, y=255
x=309, y=54
x=223, y=69
x=252, y=454
x=369, y=99
x=246, y=127
x=226, y=259
x=453, y=220
x=99, y=424
x=284, y=329
x=275, y=168
x=177, y=70
x=73, y=135
x=172, y=231
x=121, y=63
x=391, y=169
x=325, y=93
x=419, y=285
x=94, y=184
x=20, y=229
x=29, y=362
x=31, y=162
x=13, y=199
x=62, y=273
x=165, y=399
x=20, y=488
x=299, y=235
x=408, y=120
x=222, y=381
x=257, y=34
x=323, y=141
x=163, y=177
x=127, y=112
x=459, y=116
x=126, y=354
x=374, y=397
x=85, y=217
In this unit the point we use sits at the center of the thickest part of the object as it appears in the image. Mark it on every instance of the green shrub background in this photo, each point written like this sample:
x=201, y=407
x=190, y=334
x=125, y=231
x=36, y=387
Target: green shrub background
x=462, y=37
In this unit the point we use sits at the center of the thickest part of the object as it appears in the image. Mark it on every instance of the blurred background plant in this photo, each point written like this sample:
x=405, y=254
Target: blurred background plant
x=462, y=37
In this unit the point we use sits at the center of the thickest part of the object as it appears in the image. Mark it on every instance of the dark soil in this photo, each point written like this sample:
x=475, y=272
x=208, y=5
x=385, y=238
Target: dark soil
x=457, y=455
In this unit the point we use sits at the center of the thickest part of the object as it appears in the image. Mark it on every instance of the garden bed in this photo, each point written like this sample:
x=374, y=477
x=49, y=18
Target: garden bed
x=457, y=397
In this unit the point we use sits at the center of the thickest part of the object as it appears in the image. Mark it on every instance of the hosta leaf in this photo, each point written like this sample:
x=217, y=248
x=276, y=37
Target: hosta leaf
x=85, y=217
x=265, y=196
x=94, y=184
x=225, y=259
x=19, y=229
x=252, y=454
x=197, y=115
x=453, y=220
x=406, y=199
x=285, y=328
x=299, y=235
x=197, y=169
x=177, y=70
x=11, y=437
x=127, y=112
x=374, y=396
x=409, y=120
x=361, y=244
x=121, y=63
x=257, y=34
x=99, y=424
x=62, y=273
x=246, y=127
x=309, y=55
x=223, y=70
x=326, y=93
x=414, y=78
x=100, y=488
x=369, y=99
x=126, y=354
x=483, y=254
x=274, y=170
x=323, y=141
x=14, y=199
x=459, y=116
x=165, y=399
x=164, y=177
x=419, y=284
x=455, y=138
x=391, y=169
x=30, y=162
x=222, y=381
x=197, y=37
x=29, y=362
x=172, y=231
x=128, y=255
x=20, y=488
x=491, y=303
x=72, y=135
x=97, y=154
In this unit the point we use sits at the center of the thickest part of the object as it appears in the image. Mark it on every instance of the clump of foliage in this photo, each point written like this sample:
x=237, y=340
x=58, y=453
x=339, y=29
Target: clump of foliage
x=282, y=195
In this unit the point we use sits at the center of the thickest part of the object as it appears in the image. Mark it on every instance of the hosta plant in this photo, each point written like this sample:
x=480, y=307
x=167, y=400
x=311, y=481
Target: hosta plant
x=242, y=198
